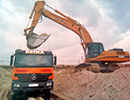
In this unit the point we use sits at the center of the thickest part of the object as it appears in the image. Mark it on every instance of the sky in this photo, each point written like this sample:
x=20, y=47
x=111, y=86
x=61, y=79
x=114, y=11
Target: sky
x=107, y=21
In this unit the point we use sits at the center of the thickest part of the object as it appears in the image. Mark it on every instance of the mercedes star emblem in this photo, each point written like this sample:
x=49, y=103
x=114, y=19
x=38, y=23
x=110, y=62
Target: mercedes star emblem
x=33, y=76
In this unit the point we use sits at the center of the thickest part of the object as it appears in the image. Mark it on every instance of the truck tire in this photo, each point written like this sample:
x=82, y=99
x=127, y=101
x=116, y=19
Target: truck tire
x=47, y=95
x=11, y=96
x=15, y=96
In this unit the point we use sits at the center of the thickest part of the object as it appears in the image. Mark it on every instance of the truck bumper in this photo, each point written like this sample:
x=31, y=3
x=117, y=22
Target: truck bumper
x=31, y=86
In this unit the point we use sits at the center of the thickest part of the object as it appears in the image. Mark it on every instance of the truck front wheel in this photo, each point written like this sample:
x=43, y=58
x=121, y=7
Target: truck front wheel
x=47, y=95
x=16, y=95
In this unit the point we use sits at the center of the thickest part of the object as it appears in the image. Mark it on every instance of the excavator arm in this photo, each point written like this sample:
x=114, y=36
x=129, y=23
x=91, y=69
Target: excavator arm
x=39, y=10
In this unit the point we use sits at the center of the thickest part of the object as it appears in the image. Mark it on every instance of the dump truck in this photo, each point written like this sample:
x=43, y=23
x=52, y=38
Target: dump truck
x=32, y=72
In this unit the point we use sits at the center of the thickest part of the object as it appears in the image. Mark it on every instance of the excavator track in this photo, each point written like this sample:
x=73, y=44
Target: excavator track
x=97, y=67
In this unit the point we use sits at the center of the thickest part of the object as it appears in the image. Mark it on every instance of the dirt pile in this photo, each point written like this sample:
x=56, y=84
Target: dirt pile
x=5, y=81
x=95, y=86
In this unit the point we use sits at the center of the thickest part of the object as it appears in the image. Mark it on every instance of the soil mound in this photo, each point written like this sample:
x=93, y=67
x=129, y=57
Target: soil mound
x=95, y=86
x=5, y=81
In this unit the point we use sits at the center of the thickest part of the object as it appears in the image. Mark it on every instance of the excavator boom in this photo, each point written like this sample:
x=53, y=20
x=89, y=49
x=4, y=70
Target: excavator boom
x=60, y=19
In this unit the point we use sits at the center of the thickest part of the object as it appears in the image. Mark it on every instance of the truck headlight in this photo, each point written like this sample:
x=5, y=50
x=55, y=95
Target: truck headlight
x=49, y=84
x=16, y=85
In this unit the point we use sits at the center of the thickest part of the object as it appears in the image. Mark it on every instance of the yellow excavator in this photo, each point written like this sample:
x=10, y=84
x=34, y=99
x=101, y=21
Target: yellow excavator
x=94, y=51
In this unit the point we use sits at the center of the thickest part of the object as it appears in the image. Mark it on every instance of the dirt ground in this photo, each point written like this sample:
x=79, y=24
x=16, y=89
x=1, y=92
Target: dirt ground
x=82, y=85
x=87, y=85
x=5, y=81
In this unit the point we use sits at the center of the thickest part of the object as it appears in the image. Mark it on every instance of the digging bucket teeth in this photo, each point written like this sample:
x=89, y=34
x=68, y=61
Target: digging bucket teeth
x=34, y=40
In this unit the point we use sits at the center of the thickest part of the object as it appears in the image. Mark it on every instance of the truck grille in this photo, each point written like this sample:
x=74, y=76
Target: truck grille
x=33, y=77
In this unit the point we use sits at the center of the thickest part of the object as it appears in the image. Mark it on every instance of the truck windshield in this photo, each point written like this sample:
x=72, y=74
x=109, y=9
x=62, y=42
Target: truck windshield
x=33, y=61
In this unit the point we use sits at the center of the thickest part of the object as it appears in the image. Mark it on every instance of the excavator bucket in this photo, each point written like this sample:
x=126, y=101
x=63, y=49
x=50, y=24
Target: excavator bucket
x=34, y=40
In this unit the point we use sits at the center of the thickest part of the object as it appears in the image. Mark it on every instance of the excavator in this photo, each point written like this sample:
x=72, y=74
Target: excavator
x=94, y=51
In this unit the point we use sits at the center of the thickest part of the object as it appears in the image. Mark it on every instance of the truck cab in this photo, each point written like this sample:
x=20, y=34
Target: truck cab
x=32, y=71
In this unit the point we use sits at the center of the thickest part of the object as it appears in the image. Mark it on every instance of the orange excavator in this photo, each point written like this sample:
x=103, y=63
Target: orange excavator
x=94, y=51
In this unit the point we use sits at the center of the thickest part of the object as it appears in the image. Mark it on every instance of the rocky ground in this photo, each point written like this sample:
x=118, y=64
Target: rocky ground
x=81, y=85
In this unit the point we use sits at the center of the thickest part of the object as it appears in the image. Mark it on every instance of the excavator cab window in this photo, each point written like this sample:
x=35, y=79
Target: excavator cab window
x=93, y=50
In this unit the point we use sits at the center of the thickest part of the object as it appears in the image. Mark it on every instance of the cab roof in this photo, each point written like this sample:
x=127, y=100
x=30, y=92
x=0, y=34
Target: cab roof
x=41, y=52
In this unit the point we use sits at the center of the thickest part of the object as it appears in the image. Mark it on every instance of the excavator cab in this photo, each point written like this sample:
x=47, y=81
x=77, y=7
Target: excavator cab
x=93, y=50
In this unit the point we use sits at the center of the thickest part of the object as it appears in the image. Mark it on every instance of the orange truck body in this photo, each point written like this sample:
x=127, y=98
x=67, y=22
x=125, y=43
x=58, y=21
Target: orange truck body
x=32, y=71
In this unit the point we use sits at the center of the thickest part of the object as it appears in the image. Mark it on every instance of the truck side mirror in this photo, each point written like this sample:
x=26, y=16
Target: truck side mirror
x=55, y=60
x=11, y=59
